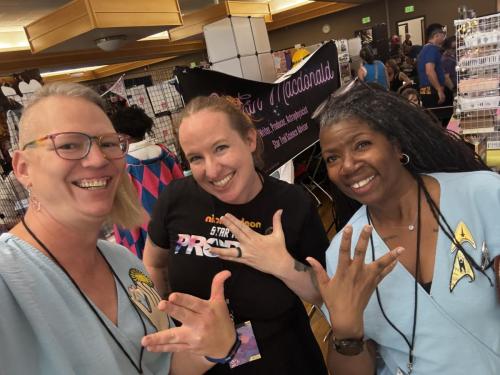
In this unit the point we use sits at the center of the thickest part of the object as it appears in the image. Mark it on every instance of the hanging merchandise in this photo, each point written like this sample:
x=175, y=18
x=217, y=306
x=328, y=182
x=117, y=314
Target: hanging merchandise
x=478, y=80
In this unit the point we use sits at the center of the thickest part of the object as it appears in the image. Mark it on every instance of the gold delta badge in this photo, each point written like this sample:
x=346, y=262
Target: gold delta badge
x=461, y=266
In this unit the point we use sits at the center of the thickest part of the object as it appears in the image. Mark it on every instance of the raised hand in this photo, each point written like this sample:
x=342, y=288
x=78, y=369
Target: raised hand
x=266, y=253
x=207, y=328
x=347, y=293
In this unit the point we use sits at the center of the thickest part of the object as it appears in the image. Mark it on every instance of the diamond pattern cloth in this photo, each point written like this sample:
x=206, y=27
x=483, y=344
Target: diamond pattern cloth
x=149, y=178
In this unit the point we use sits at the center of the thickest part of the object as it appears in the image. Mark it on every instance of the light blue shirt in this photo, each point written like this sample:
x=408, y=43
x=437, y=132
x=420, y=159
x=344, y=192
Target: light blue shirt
x=458, y=331
x=47, y=328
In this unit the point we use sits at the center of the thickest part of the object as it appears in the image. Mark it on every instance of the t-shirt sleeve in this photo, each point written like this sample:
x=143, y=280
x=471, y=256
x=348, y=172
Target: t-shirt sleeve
x=157, y=228
x=432, y=55
x=313, y=239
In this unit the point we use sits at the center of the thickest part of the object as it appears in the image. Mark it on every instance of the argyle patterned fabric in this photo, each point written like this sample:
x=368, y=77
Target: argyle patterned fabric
x=149, y=178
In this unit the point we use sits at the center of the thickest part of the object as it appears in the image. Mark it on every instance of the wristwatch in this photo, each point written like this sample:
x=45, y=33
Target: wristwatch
x=348, y=347
x=231, y=354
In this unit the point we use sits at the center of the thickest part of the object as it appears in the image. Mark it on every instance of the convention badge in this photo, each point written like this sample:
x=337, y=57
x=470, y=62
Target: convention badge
x=248, y=350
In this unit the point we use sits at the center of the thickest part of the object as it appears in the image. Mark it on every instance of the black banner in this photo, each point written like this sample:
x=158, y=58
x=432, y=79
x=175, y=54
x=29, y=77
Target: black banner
x=281, y=111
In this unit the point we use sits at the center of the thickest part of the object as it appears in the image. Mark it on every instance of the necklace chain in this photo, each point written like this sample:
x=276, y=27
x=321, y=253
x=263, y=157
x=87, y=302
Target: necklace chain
x=411, y=344
x=91, y=306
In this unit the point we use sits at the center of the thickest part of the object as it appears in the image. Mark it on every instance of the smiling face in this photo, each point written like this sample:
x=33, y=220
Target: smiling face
x=220, y=159
x=362, y=163
x=68, y=190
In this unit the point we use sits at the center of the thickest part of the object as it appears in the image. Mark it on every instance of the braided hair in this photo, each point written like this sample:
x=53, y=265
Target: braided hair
x=430, y=147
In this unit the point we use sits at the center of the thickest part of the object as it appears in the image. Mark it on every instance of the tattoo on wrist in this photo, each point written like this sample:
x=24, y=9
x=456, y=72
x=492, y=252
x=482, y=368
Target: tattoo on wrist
x=299, y=266
x=312, y=275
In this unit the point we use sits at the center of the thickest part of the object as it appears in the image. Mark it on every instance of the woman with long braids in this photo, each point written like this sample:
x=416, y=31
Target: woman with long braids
x=431, y=306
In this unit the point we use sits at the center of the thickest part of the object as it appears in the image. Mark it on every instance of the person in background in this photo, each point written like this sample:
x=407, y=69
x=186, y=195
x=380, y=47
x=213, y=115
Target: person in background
x=429, y=214
x=395, y=48
x=411, y=95
x=202, y=223
x=449, y=63
x=407, y=43
x=150, y=166
x=397, y=79
x=372, y=70
x=430, y=70
x=74, y=304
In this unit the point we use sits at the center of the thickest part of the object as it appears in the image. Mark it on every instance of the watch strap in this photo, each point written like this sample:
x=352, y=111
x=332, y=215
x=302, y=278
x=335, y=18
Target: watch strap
x=231, y=354
x=349, y=347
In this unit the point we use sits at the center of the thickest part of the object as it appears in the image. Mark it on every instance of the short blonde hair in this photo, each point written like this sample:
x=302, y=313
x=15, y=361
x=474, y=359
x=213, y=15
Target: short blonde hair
x=127, y=210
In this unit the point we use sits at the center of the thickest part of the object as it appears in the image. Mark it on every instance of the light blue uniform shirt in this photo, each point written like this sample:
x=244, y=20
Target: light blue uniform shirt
x=47, y=328
x=458, y=331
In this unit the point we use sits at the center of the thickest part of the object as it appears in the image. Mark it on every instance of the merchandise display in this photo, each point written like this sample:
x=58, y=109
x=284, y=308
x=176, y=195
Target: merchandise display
x=478, y=75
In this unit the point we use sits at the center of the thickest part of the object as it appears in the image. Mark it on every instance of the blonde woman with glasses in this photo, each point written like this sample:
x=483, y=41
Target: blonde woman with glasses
x=73, y=304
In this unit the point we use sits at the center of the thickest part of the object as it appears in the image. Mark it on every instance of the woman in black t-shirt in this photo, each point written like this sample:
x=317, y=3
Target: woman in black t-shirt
x=191, y=238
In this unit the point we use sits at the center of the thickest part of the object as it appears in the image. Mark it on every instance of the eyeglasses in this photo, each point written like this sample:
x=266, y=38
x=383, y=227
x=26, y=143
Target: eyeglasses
x=76, y=146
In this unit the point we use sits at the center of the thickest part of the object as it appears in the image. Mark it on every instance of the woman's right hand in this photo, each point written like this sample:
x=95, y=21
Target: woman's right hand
x=347, y=293
x=207, y=328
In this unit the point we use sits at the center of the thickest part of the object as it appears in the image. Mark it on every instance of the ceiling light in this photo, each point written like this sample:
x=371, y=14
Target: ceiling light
x=111, y=43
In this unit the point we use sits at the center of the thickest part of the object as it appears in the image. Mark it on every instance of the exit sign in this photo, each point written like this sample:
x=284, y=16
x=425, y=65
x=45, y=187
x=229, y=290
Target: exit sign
x=409, y=9
x=366, y=20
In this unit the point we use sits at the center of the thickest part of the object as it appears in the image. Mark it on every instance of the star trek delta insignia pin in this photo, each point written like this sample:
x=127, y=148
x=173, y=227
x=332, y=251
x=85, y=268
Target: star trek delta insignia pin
x=461, y=265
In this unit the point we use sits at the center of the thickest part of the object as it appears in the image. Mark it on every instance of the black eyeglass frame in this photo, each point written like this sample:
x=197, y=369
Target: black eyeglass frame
x=98, y=138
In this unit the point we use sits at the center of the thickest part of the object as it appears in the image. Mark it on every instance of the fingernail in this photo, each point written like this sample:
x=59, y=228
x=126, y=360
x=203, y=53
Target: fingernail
x=367, y=228
x=348, y=229
x=399, y=250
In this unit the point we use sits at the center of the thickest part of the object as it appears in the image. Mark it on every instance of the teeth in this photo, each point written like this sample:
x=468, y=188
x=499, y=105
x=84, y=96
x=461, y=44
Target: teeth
x=224, y=181
x=362, y=183
x=91, y=184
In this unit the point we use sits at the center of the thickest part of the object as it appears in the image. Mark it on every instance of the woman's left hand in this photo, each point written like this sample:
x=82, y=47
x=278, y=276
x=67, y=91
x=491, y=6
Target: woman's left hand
x=266, y=253
x=207, y=328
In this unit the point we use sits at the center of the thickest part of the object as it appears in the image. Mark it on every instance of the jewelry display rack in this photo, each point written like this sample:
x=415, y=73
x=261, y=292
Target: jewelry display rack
x=478, y=76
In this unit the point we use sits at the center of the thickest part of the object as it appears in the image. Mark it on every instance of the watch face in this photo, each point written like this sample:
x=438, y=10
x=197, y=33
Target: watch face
x=349, y=346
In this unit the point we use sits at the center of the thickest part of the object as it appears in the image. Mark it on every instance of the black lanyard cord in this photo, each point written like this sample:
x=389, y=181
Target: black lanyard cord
x=411, y=344
x=91, y=306
x=438, y=216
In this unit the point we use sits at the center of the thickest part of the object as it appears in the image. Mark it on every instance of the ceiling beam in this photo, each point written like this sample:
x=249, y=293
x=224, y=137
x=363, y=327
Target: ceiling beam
x=192, y=23
x=103, y=72
x=79, y=22
x=305, y=13
x=17, y=61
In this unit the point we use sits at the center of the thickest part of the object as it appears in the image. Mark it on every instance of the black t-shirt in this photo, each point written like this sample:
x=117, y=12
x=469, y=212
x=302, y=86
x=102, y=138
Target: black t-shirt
x=185, y=221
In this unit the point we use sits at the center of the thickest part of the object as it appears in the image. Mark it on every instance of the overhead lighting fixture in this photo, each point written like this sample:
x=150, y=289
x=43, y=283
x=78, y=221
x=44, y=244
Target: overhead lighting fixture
x=71, y=72
x=111, y=43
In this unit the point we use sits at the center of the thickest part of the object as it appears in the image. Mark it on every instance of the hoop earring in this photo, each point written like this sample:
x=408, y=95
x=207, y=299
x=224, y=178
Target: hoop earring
x=35, y=203
x=405, y=159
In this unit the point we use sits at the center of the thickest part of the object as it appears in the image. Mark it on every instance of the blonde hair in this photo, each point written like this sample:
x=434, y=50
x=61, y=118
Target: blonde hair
x=232, y=108
x=127, y=210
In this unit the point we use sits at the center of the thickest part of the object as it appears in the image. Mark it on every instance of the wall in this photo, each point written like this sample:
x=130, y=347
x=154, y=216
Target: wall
x=344, y=23
x=443, y=12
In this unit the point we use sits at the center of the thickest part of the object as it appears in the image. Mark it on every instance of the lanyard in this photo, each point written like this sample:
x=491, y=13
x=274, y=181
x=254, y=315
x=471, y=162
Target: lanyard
x=91, y=306
x=411, y=344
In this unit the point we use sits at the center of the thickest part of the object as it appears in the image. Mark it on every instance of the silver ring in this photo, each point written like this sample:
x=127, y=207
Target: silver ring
x=239, y=252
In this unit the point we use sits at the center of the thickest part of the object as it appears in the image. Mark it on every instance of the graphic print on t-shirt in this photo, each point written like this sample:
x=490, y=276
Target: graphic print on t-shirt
x=219, y=236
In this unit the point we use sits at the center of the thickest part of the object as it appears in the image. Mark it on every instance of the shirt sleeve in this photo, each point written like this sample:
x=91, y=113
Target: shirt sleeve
x=158, y=226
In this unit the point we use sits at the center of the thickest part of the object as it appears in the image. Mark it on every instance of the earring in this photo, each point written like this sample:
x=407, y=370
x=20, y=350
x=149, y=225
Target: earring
x=35, y=203
x=405, y=159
